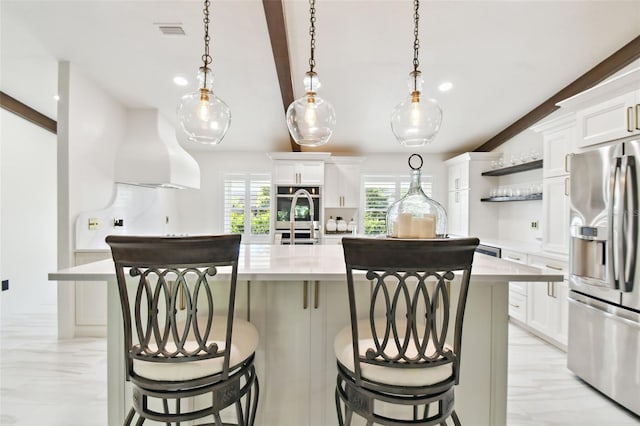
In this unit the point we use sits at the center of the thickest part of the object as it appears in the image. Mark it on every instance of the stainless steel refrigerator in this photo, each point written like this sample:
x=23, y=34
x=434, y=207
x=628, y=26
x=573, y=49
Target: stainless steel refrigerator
x=604, y=281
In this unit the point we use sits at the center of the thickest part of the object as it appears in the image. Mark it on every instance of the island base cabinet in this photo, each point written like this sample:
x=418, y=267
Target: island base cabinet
x=90, y=300
x=296, y=364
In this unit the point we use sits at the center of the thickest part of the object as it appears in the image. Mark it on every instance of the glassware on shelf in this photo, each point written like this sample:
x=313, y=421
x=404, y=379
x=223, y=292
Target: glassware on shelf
x=534, y=154
x=416, y=215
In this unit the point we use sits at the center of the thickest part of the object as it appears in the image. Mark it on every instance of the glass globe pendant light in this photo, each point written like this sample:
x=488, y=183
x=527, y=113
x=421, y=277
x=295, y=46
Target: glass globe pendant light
x=416, y=121
x=203, y=117
x=311, y=119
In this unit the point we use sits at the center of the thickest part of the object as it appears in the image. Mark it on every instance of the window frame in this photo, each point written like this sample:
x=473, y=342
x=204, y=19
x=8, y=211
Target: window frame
x=248, y=179
x=398, y=180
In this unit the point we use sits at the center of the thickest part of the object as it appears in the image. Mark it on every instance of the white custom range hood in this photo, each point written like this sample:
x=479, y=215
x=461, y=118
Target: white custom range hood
x=151, y=155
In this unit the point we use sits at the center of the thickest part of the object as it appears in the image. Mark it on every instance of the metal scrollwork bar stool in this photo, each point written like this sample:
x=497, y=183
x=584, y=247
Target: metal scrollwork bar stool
x=181, y=337
x=397, y=364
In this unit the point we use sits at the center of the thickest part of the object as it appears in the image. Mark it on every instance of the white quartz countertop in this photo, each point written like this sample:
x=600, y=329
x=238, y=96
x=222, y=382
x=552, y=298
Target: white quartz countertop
x=312, y=262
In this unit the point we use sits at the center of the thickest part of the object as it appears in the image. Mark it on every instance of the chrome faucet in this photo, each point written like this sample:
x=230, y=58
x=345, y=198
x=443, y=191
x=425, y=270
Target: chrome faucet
x=292, y=218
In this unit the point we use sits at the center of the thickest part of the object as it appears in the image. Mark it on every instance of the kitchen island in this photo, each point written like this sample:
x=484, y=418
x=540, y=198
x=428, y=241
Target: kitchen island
x=296, y=296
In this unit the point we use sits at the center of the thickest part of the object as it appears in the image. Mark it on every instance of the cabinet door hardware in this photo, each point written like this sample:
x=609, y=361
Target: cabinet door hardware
x=514, y=305
x=637, y=116
x=316, y=295
x=305, y=294
x=557, y=268
x=457, y=194
x=549, y=289
x=629, y=119
x=566, y=186
x=513, y=258
x=566, y=162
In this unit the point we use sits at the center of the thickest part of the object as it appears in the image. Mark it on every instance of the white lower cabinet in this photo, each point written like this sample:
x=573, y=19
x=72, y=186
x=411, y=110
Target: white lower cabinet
x=547, y=304
x=540, y=307
x=517, y=290
x=295, y=361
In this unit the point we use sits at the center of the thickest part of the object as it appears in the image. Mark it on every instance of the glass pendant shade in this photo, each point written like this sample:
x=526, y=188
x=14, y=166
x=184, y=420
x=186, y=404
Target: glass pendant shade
x=311, y=119
x=416, y=215
x=203, y=116
x=416, y=121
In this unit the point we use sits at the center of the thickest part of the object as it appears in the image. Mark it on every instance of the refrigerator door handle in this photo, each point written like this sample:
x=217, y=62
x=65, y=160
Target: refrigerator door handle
x=630, y=197
x=607, y=310
x=613, y=249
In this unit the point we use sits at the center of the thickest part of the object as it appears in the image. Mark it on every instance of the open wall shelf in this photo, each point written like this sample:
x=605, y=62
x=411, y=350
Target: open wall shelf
x=532, y=165
x=513, y=198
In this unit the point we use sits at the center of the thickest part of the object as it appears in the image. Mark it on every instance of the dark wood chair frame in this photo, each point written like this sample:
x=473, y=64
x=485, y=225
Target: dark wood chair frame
x=389, y=263
x=160, y=336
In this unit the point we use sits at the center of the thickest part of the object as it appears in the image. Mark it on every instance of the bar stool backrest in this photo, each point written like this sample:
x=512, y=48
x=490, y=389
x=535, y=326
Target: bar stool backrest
x=169, y=305
x=409, y=310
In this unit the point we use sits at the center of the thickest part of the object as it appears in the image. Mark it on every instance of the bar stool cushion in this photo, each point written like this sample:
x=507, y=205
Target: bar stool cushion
x=343, y=346
x=244, y=342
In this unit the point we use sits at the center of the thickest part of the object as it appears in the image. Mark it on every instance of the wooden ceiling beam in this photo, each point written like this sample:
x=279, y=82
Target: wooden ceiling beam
x=274, y=13
x=25, y=111
x=623, y=57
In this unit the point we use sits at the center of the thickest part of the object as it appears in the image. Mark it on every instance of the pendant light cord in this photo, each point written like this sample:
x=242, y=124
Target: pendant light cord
x=206, y=58
x=416, y=43
x=312, y=33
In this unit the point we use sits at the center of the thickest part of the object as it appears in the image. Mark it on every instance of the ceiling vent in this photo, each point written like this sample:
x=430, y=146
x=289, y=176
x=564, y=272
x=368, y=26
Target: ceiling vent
x=171, y=29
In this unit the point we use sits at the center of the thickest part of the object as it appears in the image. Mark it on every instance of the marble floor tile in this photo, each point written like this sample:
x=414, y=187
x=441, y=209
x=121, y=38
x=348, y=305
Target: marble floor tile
x=544, y=392
x=45, y=381
x=49, y=382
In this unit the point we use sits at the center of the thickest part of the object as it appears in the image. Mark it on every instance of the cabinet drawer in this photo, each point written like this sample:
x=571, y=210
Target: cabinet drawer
x=518, y=287
x=551, y=264
x=517, y=306
x=514, y=256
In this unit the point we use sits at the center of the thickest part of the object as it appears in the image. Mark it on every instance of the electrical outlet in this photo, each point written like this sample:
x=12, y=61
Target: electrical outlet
x=5, y=285
x=534, y=224
x=93, y=223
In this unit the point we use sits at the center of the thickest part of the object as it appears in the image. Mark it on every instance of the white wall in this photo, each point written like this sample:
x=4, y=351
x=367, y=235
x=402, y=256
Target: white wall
x=90, y=128
x=27, y=215
x=201, y=211
x=514, y=219
x=397, y=163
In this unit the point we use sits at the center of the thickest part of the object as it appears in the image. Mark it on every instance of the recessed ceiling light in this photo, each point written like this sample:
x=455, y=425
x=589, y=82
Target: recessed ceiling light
x=446, y=86
x=56, y=98
x=180, y=81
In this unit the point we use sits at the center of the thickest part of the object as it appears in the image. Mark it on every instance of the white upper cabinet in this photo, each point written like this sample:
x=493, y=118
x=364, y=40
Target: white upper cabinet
x=466, y=214
x=342, y=185
x=294, y=172
x=615, y=118
x=558, y=139
x=607, y=111
x=555, y=214
x=458, y=176
x=557, y=146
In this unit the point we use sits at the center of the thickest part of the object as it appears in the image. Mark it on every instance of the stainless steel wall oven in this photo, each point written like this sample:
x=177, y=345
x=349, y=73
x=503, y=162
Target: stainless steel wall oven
x=304, y=220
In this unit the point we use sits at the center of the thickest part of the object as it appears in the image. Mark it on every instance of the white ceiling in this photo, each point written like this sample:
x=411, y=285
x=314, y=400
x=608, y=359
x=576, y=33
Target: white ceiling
x=503, y=57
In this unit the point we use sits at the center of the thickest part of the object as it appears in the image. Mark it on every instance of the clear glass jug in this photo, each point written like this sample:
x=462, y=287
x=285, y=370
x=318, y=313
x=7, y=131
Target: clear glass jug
x=416, y=215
